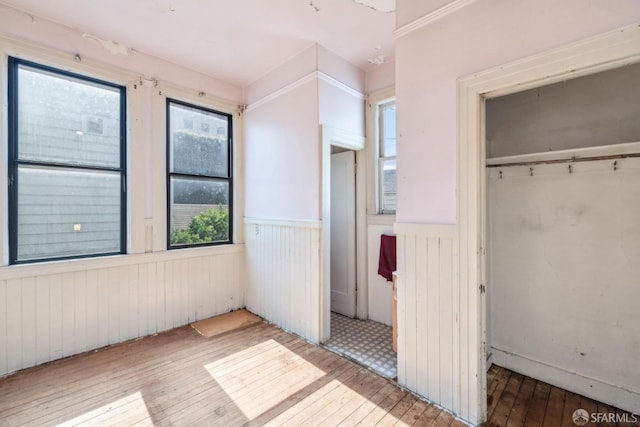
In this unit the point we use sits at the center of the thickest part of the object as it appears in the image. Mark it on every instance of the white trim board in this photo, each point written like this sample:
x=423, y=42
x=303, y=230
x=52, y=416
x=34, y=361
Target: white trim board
x=333, y=136
x=312, y=76
x=599, y=53
x=300, y=223
x=576, y=153
x=431, y=17
x=594, y=389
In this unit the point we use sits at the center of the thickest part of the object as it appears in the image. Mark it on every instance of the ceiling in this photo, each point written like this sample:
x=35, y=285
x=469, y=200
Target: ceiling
x=237, y=41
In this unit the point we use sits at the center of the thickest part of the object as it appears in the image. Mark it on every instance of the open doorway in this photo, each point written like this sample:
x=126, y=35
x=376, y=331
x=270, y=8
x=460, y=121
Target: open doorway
x=346, y=328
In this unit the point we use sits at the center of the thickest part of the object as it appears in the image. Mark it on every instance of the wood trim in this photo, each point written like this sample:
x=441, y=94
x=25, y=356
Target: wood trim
x=431, y=17
x=568, y=155
x=314, y=75
x=386, y=219
x=86, y=264
x=333, y=136
x=295, y=223
x=344, y=139
x=372, y=149
x=282, y=91
x=338, y=84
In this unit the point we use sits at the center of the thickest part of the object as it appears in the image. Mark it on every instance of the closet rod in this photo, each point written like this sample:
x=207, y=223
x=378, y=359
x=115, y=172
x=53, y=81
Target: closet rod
x=569, y=160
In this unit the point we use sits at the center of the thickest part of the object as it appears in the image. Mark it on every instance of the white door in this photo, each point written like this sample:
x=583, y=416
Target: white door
x=343, y=233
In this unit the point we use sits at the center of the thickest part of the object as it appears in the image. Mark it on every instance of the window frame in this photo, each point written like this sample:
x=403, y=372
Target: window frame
x=380, y=157
x=13, y=161
x=169, y=174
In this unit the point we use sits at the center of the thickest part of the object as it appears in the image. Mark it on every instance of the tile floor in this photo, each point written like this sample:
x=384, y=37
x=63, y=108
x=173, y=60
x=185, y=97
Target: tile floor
x=365, y=341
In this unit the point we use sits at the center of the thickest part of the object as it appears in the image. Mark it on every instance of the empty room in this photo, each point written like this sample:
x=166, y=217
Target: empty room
x=327, y=212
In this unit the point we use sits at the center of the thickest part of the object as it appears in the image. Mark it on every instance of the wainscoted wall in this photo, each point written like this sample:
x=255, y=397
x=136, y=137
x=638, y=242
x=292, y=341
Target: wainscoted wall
x=429, y=345
x=283, y=267
x=54, y=310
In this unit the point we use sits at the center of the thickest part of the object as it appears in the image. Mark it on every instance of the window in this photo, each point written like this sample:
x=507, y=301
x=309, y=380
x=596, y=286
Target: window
x=199, y=190
x=66, y=185
x=387, y=156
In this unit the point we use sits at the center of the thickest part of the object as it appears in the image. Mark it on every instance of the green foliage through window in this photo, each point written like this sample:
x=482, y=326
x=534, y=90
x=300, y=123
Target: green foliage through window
x=210, y=226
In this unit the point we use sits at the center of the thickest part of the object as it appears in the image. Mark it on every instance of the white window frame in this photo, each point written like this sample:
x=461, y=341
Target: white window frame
x=374, y=199
x=381, y=157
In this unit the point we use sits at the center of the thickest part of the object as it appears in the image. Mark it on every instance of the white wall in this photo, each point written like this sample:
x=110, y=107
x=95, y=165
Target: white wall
x=380, y=77
x=432, y=52
x=283, y=179
x=283, y=156
x=56, y=309
x=563, y=256
x=431, y=58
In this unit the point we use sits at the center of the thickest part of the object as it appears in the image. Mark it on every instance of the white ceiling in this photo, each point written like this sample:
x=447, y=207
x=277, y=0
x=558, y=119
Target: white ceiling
x=237, y=41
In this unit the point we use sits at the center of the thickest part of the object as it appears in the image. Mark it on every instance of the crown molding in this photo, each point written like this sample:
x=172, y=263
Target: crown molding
x=431, y=17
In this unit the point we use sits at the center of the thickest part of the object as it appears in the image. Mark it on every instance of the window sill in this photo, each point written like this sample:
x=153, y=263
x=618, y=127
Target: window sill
x=381, y=219
x=81, y=264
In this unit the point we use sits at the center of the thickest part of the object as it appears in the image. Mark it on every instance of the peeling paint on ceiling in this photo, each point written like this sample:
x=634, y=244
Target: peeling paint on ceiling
x=379, y=5
x=234, y=41
x=113, y=47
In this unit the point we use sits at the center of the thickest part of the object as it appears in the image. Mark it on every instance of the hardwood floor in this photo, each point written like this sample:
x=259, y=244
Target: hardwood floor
x=516, y=400
x=255, y=376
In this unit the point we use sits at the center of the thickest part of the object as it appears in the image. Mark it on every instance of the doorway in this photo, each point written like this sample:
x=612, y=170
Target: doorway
x=346, y=331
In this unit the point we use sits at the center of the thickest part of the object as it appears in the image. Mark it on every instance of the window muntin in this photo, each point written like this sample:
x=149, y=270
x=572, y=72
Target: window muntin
x=199, y=176
x=66, y=181
x=387, y=157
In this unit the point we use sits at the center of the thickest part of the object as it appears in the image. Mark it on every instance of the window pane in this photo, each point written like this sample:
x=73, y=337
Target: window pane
x=389, y=181
x=198, y=141
x=199, y=211
x=65, y=120
x=63, y=212
x=388, y=130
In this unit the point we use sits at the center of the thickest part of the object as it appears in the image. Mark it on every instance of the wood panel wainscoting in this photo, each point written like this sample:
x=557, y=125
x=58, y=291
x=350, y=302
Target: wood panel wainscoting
x=283, y=267
x=52, y=310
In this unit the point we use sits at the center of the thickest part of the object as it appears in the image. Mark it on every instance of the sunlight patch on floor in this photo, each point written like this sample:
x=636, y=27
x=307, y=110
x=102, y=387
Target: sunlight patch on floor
x=260, y=371
x=129, y=410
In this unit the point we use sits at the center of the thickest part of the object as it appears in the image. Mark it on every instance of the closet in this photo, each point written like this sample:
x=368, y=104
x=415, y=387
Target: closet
x=563, y=233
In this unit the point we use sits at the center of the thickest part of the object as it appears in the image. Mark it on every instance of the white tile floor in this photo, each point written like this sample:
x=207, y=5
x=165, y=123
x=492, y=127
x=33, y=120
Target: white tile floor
x=365, y=341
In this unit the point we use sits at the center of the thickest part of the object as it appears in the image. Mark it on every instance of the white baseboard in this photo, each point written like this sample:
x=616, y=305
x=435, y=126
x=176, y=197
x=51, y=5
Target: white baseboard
x=589, y=387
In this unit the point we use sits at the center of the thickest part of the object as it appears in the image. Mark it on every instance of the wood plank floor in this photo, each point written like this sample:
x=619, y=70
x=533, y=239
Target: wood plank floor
x=516, y=400
x=255, y=376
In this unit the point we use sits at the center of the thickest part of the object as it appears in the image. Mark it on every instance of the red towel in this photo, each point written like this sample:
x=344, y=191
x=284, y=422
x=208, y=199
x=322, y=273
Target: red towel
x=387, y=263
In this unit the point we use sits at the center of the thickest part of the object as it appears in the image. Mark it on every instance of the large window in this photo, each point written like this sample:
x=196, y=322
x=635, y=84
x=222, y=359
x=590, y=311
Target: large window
x=199, y=190
x=67, y=165
x=387, y=156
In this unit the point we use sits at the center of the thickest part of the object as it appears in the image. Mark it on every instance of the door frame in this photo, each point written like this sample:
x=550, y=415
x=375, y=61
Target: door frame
x=606, y=51
x=332, y=136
